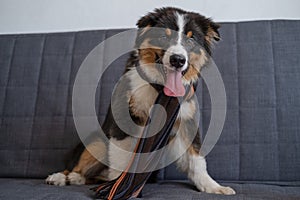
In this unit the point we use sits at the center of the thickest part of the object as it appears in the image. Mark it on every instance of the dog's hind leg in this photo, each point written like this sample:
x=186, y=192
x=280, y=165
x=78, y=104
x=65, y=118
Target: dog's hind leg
x=89, y=166
x=87, y=169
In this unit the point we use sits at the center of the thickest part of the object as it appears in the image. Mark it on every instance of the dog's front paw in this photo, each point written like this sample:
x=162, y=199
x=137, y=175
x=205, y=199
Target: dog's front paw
x=219, y=190
x=76, y=179
x=56, y=179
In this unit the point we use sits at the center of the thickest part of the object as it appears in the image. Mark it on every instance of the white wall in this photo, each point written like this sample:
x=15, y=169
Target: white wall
x=28, y=16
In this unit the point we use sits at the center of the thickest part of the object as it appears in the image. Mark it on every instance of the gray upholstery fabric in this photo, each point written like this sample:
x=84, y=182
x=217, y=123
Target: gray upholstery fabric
x=260, y=66
x=11, y=189
x=259, y=141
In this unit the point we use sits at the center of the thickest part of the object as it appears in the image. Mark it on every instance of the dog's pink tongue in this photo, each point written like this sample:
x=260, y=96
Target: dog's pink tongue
x=173, y=86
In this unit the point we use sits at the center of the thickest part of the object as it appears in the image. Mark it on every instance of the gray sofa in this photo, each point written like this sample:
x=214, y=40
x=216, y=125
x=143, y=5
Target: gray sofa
x=258, y=153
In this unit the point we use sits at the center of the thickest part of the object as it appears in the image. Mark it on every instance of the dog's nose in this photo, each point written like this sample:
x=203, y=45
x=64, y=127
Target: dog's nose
x=177, y=60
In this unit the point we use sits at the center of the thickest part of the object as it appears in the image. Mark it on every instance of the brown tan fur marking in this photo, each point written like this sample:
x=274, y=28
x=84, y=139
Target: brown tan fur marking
x=168, y=32
x=211, y=35
x=144, y=30
x=189, y=34
x=196, y=62
x=87, y=159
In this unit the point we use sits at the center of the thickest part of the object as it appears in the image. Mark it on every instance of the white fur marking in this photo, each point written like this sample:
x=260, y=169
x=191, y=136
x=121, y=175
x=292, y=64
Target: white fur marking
x=195, y=167
x=180, y=24
x=198, y=174
x=119, y=157
x=56, y=179
x=76, y=179
x=187, y=110
x=139, y=90
x=182, y=162
x=178, y=48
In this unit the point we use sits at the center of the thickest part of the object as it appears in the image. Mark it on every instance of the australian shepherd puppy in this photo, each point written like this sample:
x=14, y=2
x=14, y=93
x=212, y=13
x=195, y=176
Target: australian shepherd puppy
x=171, y=56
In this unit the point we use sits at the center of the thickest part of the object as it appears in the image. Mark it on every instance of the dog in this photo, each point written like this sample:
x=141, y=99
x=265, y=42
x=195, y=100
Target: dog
x=171, y=56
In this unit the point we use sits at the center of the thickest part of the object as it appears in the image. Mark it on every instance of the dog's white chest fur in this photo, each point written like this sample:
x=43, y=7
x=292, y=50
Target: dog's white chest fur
x=142, y=95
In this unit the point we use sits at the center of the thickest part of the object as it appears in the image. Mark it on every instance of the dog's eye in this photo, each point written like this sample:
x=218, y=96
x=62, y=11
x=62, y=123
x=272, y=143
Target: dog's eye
x=163, y=38
x=190, y=43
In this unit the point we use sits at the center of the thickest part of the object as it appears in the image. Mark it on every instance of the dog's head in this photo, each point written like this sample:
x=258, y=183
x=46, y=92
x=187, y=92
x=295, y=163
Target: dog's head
x=173, y=45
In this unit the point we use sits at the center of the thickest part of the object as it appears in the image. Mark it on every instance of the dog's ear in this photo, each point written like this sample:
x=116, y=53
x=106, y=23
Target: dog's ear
x=209, y=28
x=144, y=25
x=147, y=21
x=212, y=32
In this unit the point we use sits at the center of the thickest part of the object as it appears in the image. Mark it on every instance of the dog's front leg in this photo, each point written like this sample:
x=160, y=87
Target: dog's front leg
x=195, y=167
x=199, y=175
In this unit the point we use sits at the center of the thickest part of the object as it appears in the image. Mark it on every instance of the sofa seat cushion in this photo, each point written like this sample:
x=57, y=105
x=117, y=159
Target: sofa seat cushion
x=37, y=189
